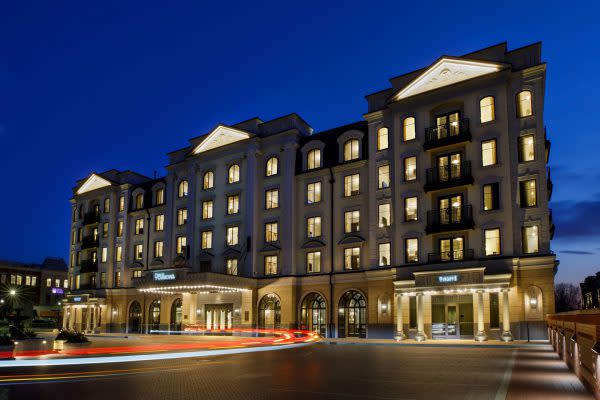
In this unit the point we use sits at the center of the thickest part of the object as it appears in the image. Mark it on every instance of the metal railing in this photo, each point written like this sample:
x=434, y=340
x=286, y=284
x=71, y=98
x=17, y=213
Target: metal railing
x=450, y=218
x=449, y=256
x=92, y=217
x=89, y=241
x=449, y=133
x=444, y=176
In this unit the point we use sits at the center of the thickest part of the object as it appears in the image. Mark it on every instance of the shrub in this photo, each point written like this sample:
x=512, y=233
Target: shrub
x=72, y=336
x=6, y=340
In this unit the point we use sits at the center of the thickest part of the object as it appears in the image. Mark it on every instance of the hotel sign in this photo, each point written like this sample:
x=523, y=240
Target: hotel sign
x=164, y=276
x=448, y=278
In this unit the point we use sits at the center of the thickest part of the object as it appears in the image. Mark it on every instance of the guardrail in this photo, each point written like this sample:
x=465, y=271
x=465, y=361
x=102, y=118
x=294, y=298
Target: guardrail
x=575, y=337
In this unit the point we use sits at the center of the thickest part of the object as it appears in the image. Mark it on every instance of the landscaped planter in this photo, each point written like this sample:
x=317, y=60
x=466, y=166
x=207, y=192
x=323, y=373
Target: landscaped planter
x=59, y=344
x=7, y=352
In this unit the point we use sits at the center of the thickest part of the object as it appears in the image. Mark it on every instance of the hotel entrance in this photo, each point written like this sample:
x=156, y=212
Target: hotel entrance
x=452, y=317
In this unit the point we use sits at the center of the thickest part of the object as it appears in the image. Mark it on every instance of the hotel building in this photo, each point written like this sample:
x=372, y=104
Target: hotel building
x=427, y=219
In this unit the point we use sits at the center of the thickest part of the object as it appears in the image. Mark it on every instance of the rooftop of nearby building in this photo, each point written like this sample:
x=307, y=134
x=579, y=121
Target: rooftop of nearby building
x=49, y=263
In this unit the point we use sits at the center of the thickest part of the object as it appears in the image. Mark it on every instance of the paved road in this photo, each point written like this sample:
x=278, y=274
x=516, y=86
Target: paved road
x=316, y=371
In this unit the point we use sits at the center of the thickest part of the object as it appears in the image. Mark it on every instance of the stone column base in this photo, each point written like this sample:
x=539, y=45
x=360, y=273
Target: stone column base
x=481, y=336
x=420, y=337
x=506, y=336
x=400, y=336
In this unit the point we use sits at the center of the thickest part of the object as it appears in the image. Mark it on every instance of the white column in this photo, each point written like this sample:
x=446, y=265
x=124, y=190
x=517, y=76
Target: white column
x=506, y=335
x=72, y=317
x=480, y=336
x=65, y=319
x=420, y=325
x=88, y=316
x=399, y=319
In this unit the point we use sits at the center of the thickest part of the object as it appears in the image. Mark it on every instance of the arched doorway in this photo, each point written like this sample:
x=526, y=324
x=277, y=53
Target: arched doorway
x=269, y=312
x=313, y=314
x=154, y=316
x=352, y=315
x=134, y=324
x=176, y=315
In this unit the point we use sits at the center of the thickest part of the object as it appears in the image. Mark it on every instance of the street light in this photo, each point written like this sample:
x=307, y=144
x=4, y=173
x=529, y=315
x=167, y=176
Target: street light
x=12, y=292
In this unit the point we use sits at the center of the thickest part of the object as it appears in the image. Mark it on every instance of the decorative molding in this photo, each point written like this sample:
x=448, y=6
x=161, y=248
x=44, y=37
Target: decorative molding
x=221, y=136
x=92, y=183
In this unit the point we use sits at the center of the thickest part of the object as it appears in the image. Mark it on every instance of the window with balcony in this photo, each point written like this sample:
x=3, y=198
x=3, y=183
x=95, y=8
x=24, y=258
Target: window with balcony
x=233, y=204
x=526, y=148
x=313, y=261
x=272, y=166
x=384, y=254
x=385, y=215
x=527, y=190
x=207, y=209
x=182, y=215
x=138, y=252
x=183, y=189
x=411, y=250
x=449, y=167
x=411, y=211
x=158, y=249
x=382, y=138
x=524, y=104
x=122, y=203
x=486, y=109
x=313, y=159
x=159, y=197
x=232, y=235
x=450, y=209
x=491, y=196
x=488, y=152
x=139, y=226
x=159, y=223
x=181, y=245
x=313, y=227
x=271, y=199
x=233, y=174
x=208, y=180
x=118, y=253
x=410, y=168
x=79, y=235
x=232, y=266
x=409, y=131
x=270, y=265
x=351, y=150
x=530, y=238
x=352, y=258
x=313, y=192
x=206, y=240
x=383, y=176
x=351, y=185
x=271, y=232
x=452, y=249
x=351, y=221
x=139, y=201
x=107, y=205
x=492, y=242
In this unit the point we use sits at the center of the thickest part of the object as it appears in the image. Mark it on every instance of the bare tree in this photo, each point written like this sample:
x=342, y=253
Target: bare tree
x=567, y=297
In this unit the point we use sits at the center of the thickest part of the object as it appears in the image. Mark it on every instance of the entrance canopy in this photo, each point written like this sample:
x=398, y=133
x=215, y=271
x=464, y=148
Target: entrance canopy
x=168, y=282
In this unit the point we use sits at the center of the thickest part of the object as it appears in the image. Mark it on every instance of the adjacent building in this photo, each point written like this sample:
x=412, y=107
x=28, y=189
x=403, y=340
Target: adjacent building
x=427, y=219
x=590, y=292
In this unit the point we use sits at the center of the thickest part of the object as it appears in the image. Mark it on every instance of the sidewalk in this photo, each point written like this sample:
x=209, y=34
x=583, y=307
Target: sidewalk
x=435, y=343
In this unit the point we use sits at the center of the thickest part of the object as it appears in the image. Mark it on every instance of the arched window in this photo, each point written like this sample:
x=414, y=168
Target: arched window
x=159, y=196
x=182, y=190
x=154, y=316
x=352, y=315
x=176, y=315
x=382, y=138
x=351, y=150
x=269, y=312
x=139, y=201
x=272, y=166
x=524, y=104
x=486, y=109
x=313, y=159
x=234, y=173
x=409, y=129
x=313, y=314
x=208, y=182
x=135, y=318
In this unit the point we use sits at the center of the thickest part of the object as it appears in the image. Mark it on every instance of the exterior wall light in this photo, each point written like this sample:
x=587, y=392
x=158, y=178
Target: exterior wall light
x=12, y=292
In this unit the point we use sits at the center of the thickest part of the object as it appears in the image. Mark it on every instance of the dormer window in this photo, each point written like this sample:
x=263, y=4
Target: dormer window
x=409, y=129
x=234, y=174
x=272, y=166
x=313, y=159
x=208, y=181
x=351, y=150
x=182, y=190
x=159, y=196
x=382, y=138
x=139, y=201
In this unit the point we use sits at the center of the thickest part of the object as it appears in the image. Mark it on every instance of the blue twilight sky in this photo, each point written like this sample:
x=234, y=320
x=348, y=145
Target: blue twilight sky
x=89, y=86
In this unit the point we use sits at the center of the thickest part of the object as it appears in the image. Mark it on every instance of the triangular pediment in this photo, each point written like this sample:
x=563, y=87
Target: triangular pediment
x=92, y=183
x=221, y=136
x=447, y=71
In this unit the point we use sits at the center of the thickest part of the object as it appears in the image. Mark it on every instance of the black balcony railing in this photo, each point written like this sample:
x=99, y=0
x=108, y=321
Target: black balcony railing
x=450, y=256
x=92, y=217
x=450, y=219
x=445, y=176
x=549, y=184
x=89, y=242
x=445, y=134
x=89, y=266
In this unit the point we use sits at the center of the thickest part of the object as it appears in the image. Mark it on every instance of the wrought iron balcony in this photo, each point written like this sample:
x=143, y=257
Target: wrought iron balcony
x=450, y=219
x=549, y=184
x=92, y=217
x=89, y=242
x=445, y=176
x=446, y=134
x=451, y=256
x=89, y=266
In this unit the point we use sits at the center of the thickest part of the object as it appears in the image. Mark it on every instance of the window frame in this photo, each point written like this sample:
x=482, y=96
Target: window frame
x=495, y=149
x=493, y=108
x=518, y=103
x=271, y=160
x=387, y=138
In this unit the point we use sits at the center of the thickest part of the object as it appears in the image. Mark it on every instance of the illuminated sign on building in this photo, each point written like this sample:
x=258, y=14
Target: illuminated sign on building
x=56, y=290
x=164, y=276
x=448, y=278
x=76, y=299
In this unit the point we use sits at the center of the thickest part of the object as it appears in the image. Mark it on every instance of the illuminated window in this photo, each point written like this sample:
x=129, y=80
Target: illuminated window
x=410, y=168
x=181, y=245
x=232, y=266
x=385, y=215
x=488, y=152
x=232, y=235
x=182, y=190
x=118, y=278
x=524, y=104
x=207, y=209
x=139, y=201
x=352, y=258
x=526, y=148
x=271, y=232
x=105, y=229
x=492, y=242
x=104, y=255
x=65, y=284
x=528, y=193
x=77, y=281
x=313, y=261
x=270, y=265
x=491, y=198
x=384, y=254
x=233, y=204
x=272, y=166
x=313, y=227
x=486, y=109
x=271, y=199
x=122, y=203
x=137, y=273
x=206, y=240
x=382, y=138
x=138, y=251
x=411, y=212
x=313, y=192
x=107, y=205
x=233, y=174
x=351, y=185
x=208, y=181
x=79, y=235
x=530, y=239
x=48, y=282
x=351, y=221
x=158, y=249
x=118, y=253
x=383, y=176
x=139, y=226
x=313, y=159
x=351, y=150
x=159, y=197
x=182, y=215
x=409, y=129
x=159, y=223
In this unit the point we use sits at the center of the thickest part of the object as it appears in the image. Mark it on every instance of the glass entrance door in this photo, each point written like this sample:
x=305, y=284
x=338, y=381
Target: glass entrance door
x=452, y=325
x=449, y=167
